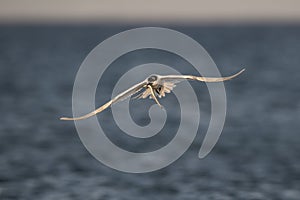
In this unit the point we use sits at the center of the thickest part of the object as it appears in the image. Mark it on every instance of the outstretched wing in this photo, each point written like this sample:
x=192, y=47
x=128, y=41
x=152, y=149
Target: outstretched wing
x=134, y=89
x=143, y=95
x=167, y=83
x=198, y=78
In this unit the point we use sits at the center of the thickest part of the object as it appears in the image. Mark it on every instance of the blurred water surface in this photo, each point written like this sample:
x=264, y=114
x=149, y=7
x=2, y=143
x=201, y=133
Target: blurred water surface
x=257, y=156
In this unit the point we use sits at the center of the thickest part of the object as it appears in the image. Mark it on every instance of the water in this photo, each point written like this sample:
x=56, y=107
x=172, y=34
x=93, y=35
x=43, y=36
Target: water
x=257, y=156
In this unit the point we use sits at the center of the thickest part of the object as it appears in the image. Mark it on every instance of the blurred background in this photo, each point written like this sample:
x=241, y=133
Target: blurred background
x=42, y=44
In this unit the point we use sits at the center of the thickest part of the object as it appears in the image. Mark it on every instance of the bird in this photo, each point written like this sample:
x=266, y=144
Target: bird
x=153, y=86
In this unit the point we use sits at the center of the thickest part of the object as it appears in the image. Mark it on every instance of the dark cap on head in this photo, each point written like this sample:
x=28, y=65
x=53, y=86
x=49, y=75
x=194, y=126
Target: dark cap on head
x=152, y=78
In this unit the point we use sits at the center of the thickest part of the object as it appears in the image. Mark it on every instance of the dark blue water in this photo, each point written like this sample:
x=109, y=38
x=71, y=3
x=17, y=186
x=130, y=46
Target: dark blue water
x=257, y=156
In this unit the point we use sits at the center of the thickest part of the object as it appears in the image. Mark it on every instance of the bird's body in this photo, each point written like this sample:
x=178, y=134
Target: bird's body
x=155, y=86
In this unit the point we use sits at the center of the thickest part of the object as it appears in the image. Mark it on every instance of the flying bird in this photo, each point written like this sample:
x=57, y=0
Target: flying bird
x=154, y=86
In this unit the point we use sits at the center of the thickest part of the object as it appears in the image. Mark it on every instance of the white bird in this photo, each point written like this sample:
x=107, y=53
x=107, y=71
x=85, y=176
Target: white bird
x=154, y=85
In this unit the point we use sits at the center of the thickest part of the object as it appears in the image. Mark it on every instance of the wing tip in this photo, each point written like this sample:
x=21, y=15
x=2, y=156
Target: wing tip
x=244, y=69
x=65, y=119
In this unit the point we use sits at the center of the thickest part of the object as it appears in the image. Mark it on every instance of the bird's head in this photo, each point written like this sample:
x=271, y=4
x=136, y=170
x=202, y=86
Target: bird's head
x=152, y=79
